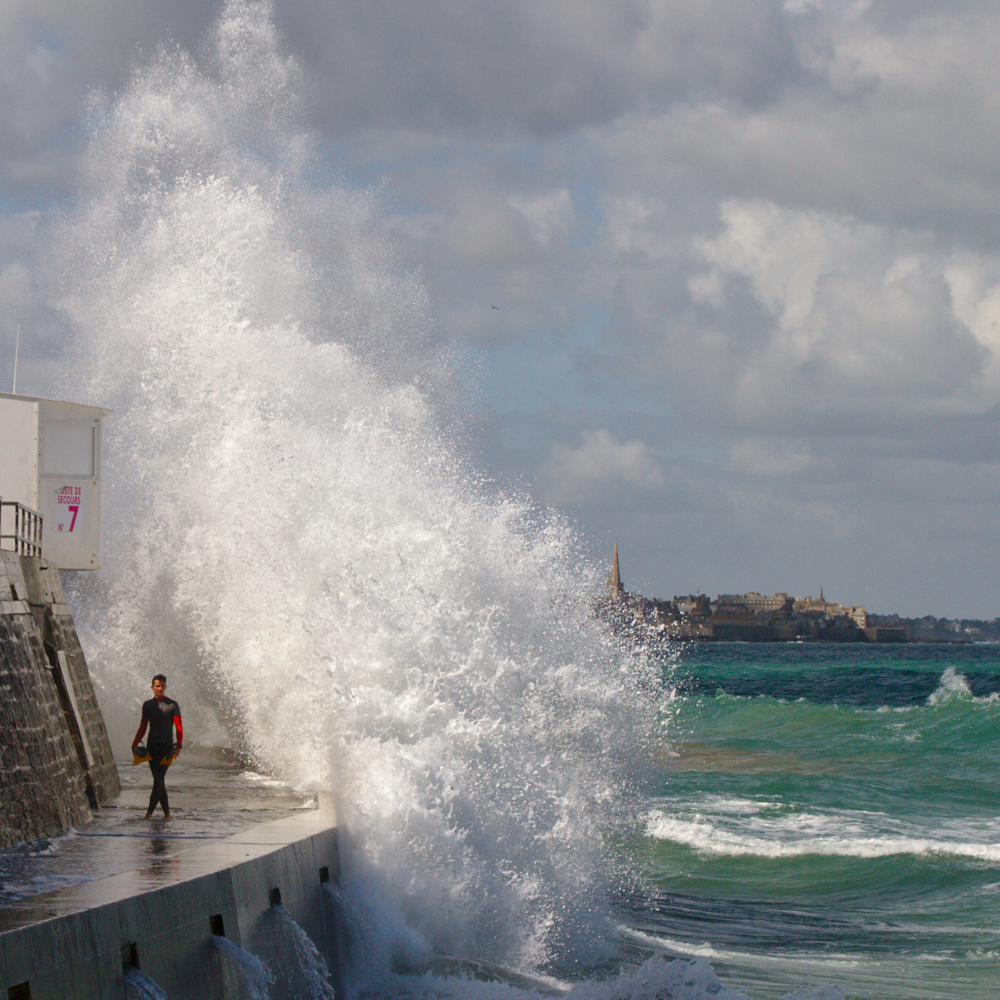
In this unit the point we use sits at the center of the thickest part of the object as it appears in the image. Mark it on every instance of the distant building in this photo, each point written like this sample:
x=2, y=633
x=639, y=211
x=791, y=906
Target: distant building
x=693, y=606
x=758, y=604
x=730, y=608
x=820, y=606
x=616, y=592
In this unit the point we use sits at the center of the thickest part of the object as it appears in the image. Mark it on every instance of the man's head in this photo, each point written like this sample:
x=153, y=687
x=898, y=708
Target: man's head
x=159, y=685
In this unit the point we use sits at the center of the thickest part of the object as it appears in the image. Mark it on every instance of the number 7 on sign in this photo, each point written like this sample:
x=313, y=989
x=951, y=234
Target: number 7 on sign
x=73, y=509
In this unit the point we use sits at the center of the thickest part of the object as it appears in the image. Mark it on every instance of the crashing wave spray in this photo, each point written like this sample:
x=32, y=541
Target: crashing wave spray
x=295, y=530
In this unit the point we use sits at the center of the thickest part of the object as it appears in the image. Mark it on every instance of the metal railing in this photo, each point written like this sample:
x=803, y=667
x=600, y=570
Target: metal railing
x=26, y=538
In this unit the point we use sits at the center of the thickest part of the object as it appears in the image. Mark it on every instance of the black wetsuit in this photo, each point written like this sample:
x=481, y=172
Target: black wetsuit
x=160, y=715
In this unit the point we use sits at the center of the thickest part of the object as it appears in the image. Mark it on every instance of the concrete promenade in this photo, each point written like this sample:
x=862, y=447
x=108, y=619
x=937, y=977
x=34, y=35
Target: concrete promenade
x=78, y=910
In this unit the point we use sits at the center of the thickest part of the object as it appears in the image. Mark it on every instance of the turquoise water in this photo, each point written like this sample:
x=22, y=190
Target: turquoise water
x=829, y=814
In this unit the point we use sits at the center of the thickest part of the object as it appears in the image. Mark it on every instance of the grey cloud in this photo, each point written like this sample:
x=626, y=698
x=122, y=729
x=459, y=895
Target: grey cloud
x=30, y=328
x=517, y=67
x=53, y=52
x=884, y=532
x=445, y=66
x=892, y=124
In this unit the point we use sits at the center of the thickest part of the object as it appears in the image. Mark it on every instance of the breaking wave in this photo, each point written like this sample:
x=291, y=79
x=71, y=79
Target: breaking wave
x=744, y=828
x=297, y=537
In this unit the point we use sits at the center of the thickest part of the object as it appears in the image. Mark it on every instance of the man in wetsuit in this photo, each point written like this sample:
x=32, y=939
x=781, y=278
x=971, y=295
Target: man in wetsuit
x=161, y=714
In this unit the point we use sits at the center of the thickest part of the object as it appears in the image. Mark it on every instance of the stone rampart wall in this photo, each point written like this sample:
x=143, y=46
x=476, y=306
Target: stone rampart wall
x=55, y=757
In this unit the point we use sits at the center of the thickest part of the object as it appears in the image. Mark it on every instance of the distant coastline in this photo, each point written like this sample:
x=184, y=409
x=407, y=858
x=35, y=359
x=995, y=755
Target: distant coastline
x=781, y=617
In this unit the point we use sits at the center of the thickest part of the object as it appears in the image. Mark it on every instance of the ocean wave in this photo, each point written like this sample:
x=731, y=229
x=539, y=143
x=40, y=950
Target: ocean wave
x=736, y=805
x=829, y=964
x=838, y=835
x=840, y=683
x=924, y=975
x=951, y=686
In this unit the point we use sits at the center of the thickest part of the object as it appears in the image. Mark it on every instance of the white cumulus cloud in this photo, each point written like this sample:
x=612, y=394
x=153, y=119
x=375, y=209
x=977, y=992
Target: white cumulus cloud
x=599, y=468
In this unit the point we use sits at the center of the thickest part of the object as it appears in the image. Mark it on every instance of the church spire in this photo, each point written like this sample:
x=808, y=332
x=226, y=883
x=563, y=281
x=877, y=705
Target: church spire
x=615, y=589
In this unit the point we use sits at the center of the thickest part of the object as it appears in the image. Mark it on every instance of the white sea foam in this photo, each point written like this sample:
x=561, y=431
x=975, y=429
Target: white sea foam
x=829, y=965
x=952, y=685
x=712, y=827
x=671, y=980
x=297, y=540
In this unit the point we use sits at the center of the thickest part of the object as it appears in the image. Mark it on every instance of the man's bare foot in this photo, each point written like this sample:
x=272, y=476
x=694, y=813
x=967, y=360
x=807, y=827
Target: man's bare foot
x=148, y=816
x=166, y=815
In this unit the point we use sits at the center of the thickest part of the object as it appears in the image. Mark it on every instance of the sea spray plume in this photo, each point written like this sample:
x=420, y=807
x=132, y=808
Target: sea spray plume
x=296, y=530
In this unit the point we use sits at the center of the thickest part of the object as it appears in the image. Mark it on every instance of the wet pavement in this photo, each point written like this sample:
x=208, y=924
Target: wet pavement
x=222, y=813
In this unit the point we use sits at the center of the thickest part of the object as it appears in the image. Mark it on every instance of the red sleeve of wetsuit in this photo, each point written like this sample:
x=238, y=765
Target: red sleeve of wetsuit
x=180, y=729
x=140, y=732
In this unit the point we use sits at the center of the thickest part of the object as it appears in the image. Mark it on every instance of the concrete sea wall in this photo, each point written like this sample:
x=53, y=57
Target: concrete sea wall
x=80, y=942
x=56, y=762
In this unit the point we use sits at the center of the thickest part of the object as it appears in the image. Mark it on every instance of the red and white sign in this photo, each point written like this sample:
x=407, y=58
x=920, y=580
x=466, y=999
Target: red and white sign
x=67, y=507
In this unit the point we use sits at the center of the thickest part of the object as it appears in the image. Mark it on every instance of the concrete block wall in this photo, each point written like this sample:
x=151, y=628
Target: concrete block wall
x=55, y=756
x=65, y=953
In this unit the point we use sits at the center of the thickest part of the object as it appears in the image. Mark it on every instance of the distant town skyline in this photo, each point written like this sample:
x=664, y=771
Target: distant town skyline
x=720, y=280
x=759, y=600
x=751, y=616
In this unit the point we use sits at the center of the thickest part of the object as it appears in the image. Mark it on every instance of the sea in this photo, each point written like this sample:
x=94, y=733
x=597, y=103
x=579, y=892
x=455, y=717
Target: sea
x=300, y=535
x=828, y=814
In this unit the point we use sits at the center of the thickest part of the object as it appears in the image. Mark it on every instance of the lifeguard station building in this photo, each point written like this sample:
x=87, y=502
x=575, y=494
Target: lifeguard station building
x=50, y=463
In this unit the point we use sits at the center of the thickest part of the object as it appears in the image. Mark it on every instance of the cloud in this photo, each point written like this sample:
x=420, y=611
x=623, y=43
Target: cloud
x=453, y=66
x=862, y=317
x=770, y=459
x=524, y=68
x=754, y=242
x=601, y=468
x=52, y=53
x=547, y=216
x=24, y=305
x=786, y=319
x=887, y=114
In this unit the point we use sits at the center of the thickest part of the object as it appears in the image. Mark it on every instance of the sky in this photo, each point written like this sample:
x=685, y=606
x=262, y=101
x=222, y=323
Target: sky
x=723, y=278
